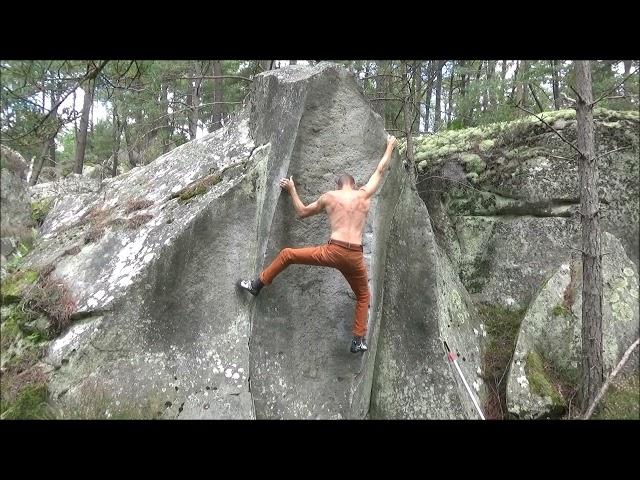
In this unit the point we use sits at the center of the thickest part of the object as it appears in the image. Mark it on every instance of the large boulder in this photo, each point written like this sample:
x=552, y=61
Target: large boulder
x=151, y=258
x=319, y=125
x=424, y=306
x=544, y=372
x=14, y=162
x=15, y=221
x=504, y=197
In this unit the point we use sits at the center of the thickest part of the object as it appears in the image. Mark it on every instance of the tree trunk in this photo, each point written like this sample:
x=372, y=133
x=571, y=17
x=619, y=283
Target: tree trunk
x=265, y=65
x=166, y=130
x=627, y=70
x=463, y=91
x=81, y=138
x=381, y=89
x=133, y=162
x=37, y=166
x=91, y=117
x=54, y=119
x=535, y=97
x=437, y=113
x=489, y=100
x=192, y=102
x=592, y=366
x=522, y=84
x=514, y=84
x=557, y=102
x=417, y=77
x=427, y=101
x=450, y=96
x=463, y=79
x=116, y=139
x=407, y=115
x=503, y=83
x=217, y=96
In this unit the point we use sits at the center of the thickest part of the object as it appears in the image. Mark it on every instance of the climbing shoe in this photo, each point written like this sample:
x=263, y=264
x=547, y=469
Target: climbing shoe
x=358, y=345
x=252, y=286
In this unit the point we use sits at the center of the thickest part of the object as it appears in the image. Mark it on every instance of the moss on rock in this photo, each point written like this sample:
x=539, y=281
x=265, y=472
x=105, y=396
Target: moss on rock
x=13, y=286
x=539, y=382
x=29, y=404
x=473, y=162
x=491, y=136
x=40, y=209
x=199, y=187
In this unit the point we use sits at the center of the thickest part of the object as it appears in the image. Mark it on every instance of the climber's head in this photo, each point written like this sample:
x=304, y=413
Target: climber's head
x=346, y=181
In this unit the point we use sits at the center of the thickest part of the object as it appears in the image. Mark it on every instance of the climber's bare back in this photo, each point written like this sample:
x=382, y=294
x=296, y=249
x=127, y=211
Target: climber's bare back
x=348, y=207
x=347, y=211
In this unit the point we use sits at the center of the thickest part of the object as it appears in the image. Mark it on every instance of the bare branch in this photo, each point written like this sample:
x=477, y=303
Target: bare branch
x=577, y=94
x=612, y=151
x=606, y=94
x=535, y=97
x=567, y=98
x=606, y=385
x=90, y=75
x=381, y=75
x=129, y=88
x=211, y=77
x=577, y=249
x=553, y=129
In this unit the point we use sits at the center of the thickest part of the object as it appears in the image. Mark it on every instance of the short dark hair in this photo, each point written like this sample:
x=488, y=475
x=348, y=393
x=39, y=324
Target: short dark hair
x=345, y=178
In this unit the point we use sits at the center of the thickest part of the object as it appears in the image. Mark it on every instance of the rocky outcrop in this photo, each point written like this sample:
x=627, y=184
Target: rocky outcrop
x=15, y=221
x=148, y=261
x=424, y=306
x=151, y=258
x=14, y=162
x=318, y=126
x=548, y=352
x=504, y=198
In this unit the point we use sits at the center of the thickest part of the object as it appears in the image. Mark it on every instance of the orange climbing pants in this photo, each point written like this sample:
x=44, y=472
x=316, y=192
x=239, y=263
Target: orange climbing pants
x=345, y=257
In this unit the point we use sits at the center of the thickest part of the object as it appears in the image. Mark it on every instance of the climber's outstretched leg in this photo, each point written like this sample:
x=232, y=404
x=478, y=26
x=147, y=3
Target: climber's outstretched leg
x=319, y=256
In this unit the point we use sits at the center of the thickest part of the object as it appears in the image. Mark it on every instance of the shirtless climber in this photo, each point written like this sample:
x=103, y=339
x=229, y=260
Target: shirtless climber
x=347, y=208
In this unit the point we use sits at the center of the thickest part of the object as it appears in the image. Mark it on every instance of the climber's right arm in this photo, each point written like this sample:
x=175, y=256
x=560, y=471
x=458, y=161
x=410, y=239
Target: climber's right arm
x=374, y=182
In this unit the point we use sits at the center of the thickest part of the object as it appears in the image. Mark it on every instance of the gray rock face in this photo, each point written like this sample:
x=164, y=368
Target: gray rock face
x=14, y=162
x=550, y=338
x=72, y=184
x=505, y=260
x=300, y=363
x=159, y=320
x=424, y=305
x=15, y=221
x=504, y=198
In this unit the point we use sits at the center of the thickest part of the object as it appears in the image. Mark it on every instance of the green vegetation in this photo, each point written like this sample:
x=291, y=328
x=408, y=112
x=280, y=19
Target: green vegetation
x=561, y=310
x=40, y=209
x=622, y=400
x=502, y=326
x=199, y=187
x=539, y=383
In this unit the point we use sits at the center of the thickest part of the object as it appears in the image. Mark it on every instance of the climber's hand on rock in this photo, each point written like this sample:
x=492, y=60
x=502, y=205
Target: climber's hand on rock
x=287, y=184
x=391, y=140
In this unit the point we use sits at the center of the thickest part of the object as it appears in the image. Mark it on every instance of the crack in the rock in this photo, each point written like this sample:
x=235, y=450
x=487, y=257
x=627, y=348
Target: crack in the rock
x=88, y=314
